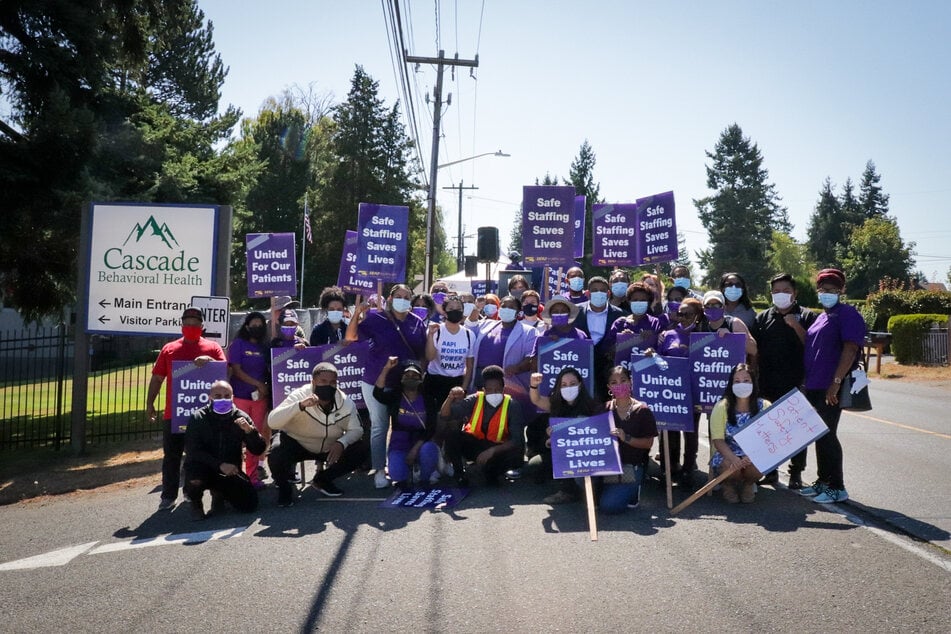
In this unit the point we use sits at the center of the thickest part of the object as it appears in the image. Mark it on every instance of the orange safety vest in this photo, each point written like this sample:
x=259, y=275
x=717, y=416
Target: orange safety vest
x=498, y=426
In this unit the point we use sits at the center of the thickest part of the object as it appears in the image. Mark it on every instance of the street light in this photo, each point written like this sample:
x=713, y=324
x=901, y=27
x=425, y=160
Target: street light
x=431, y=211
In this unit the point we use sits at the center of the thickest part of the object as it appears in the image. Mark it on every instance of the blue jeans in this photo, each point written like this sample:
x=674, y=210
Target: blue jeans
x=379, y=425
x=428, y=460
x=616, y=496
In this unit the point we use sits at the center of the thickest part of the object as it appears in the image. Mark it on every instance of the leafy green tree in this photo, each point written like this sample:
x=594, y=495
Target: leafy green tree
x=743, y=211
x=786, y=255
x=875, y=251
x=872, y=200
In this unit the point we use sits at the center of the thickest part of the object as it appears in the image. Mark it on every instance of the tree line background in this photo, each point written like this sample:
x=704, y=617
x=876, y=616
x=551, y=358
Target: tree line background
x=119, y=100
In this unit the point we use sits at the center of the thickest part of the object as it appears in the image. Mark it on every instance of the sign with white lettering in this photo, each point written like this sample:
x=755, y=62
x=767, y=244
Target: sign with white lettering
x=656, y=229
x=665, y=387
x=217, y=311
x=584, y=447
x=581, y=203
x=348, y=279
x=144, y=263
x=272, y=264
x=548, y=226
x=291, y=369
x=382, y=233
x=190, y=386
x=712, y=358
x=553, y=356
x=780, y=431
x=614, y=242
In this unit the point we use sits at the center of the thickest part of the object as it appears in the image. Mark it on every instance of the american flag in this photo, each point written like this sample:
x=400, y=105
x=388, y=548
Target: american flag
x=307, y=232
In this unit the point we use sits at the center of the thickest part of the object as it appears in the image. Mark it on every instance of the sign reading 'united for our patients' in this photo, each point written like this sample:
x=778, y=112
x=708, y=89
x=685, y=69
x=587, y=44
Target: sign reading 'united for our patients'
x=145, y=262
x=382, y=232
x=272, y=264
x=548, y=225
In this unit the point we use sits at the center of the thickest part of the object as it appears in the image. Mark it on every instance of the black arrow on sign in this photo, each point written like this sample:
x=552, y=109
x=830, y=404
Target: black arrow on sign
x=104, y=303
x=104, y=319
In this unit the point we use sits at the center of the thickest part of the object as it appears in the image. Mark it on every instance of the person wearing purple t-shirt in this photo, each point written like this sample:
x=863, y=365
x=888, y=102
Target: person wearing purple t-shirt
x=832, y=346
x=249, y=362
x=392, y=332
x=639, y=322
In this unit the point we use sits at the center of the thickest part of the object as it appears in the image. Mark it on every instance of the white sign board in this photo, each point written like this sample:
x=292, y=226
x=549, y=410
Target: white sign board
x=145, y=262
x=780, y=431
x=217, y=312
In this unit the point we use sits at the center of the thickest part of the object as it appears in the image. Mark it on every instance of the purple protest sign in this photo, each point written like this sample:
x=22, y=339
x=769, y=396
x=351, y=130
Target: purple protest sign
x=712, y=358
x=479, y=287
x=291, y=369
x=666, y=391
x=548, y=225
x=584, y=447
x=553, y=356
x=780, y=431
x=348, y=279
x=629, y=343
x=613, y=241
x=190, y=386
x=349, y=360
x=656, y=229
x=272, y=264
x=382, y=234
x=581, y=203
x=434, y=498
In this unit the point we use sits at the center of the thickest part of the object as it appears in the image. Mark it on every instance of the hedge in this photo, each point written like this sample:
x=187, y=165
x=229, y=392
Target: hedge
x=907, y=333
x=886, y=304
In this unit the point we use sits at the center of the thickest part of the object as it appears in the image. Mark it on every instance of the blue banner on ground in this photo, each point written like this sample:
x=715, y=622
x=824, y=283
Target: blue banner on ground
x=584, y=447
x=432, y=498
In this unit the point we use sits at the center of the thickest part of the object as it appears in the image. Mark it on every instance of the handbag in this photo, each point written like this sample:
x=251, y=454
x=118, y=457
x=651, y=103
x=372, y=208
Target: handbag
x=859, y=401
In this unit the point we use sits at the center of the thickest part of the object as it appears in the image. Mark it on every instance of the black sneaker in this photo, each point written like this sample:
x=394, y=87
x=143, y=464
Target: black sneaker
x=770, y=479
x=198, y=510
x=795, y=481
x=285, y=496
x=636, y=501
x=329, y=489
x=262, y=473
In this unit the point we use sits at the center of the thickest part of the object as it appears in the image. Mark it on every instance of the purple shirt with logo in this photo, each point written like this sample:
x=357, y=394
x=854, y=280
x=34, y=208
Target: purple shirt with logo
x=253, y=359
x=824, y=343
x=383, y=333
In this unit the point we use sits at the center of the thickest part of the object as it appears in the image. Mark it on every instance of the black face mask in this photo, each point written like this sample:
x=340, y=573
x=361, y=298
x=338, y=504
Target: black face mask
x=325, y=393
x=256, y=332
x=411, y=383
x=529, y=310
x=454, y=316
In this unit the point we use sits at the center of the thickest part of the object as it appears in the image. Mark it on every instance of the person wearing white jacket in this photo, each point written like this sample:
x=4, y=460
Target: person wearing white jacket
x=316, y=422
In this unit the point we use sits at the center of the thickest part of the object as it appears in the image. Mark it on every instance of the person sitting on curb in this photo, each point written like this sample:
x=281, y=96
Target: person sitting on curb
x=494, y=431
x=315, y=422
x=213, y=441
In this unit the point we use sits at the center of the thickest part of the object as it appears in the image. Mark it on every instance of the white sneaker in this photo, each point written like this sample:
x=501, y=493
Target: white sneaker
x=379, y=480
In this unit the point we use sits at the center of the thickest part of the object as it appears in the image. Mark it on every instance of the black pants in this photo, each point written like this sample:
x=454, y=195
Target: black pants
x=287, y=452
x=462, y=446
x=435, y=390
x=828, y=448
x=236, y=490
x=173, y=446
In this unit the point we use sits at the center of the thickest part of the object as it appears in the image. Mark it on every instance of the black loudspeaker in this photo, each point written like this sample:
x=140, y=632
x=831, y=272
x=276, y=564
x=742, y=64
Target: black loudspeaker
x=472, y=266
x=488, y=247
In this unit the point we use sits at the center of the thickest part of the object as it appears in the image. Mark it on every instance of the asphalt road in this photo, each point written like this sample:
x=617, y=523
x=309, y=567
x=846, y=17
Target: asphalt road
x=503, y=561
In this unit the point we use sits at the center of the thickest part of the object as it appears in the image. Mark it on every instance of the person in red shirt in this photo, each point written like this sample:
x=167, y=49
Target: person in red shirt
x=191, y=347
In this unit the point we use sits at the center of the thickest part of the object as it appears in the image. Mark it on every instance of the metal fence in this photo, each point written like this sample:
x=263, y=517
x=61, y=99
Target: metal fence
x=934, y=347
x=36, y=385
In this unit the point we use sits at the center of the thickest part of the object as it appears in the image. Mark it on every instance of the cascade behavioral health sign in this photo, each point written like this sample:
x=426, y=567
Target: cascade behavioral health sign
x=145, y=262
x=272, y=264
x=548, y=226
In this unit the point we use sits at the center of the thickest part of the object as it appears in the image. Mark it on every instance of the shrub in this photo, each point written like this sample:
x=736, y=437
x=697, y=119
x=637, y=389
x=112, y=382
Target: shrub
x=888, y=303
x=907, y=332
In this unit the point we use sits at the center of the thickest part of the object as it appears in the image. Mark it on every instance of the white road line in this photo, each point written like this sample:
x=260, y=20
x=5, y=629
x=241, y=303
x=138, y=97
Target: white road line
x=53, y=558
x=169, y=540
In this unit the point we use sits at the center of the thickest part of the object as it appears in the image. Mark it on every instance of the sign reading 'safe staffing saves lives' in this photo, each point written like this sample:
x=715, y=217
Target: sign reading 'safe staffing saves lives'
x=145, y=263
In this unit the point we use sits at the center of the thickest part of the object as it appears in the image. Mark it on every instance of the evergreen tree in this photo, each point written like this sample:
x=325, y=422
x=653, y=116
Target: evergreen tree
x=581, y=175
x=826, y=231
x=875, y=251
x=872, y=200
x=851, y=210
x=743, y=211
x=786, y=255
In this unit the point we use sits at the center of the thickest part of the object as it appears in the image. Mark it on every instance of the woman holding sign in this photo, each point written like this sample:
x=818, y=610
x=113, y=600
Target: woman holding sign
x=739, y=404
x=393, y=332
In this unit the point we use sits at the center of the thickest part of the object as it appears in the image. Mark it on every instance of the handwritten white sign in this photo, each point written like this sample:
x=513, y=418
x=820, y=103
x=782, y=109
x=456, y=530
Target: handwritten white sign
x=781, y=431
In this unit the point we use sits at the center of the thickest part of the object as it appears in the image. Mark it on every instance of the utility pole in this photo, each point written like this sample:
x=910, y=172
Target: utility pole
x=440, y=62
x=460, y=254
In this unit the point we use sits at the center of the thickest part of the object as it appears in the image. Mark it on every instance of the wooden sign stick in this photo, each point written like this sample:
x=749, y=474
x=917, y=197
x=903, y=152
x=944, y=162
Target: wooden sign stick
x=667, y=478
x=703, y=491
x=589, y=499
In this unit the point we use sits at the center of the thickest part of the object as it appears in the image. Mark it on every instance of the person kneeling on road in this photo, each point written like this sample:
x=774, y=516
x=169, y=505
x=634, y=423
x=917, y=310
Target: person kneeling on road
x=494, y=431
x=316, y=422
x=213, y=441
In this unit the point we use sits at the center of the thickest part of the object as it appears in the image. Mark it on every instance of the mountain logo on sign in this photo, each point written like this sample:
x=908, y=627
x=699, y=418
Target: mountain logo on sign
x=163, y=232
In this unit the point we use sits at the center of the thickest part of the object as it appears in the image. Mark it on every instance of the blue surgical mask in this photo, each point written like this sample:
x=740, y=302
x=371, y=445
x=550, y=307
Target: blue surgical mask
x=400, y=304
x=576, y=284
x=599, y=299
x=682, y=282
x=507, y=314
x=733, y=293
x=467, y=308
x=828, y=300
x=335, y=316
x=619, y=289
x=489, y=310
x=638, y=308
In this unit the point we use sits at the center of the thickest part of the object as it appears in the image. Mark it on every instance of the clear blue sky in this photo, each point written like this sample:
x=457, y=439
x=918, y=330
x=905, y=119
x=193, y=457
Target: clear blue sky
x=820, y=86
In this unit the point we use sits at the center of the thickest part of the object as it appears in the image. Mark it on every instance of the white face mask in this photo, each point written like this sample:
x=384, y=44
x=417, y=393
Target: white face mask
x=508, y=315
x=335, y=316
x=467, y=308
x=782, y=301
x=494, y=399
x=570, y=392
x=742, y=390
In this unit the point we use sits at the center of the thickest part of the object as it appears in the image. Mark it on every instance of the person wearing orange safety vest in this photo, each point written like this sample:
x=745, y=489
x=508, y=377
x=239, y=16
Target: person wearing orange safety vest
x=486, y=427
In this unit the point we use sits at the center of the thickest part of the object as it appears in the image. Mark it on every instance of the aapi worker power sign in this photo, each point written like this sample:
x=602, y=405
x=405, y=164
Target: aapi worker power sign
x=584, y=447
x=190, y=386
